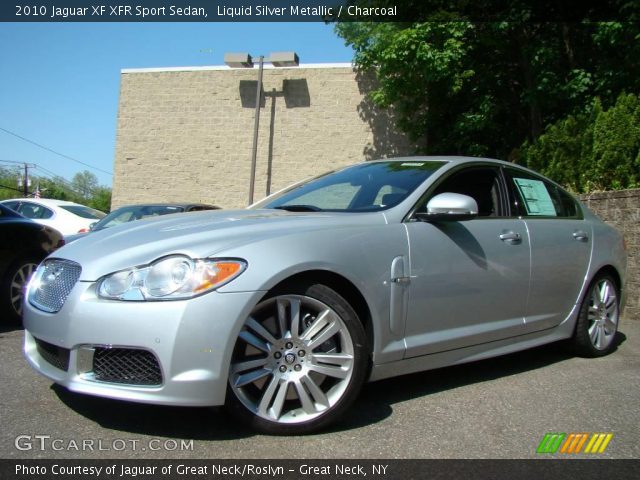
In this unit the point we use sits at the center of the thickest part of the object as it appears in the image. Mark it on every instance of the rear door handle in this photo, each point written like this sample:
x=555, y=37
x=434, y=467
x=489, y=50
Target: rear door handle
x=581, y=236
x=511, y=238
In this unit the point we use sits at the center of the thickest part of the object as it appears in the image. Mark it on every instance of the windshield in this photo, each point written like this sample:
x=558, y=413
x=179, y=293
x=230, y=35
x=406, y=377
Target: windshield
x=366, y=187
x=135, y=212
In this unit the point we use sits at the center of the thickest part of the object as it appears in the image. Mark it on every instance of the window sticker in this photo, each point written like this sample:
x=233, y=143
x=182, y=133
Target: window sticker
x=536, y=197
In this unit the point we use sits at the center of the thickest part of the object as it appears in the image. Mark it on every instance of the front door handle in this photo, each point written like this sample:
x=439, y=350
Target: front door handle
x=511, y=238
x=581, y=236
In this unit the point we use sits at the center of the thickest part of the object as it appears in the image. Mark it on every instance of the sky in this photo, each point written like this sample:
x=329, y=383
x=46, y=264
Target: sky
x=59, y=83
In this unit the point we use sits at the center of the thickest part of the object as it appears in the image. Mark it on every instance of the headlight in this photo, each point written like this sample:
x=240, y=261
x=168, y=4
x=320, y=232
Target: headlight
x=170, y=278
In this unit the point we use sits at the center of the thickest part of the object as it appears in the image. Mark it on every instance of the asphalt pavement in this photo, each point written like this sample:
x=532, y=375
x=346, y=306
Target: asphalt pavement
x=497, y=408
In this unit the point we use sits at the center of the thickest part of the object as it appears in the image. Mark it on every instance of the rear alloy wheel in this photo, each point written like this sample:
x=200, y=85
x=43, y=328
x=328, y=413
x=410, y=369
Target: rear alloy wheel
x=14, y=285
x=298, y=363
x=598, y=318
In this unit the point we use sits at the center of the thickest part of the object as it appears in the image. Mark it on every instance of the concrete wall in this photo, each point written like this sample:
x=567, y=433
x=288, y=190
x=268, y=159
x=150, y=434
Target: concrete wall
x=186, y=134
x=622, y=210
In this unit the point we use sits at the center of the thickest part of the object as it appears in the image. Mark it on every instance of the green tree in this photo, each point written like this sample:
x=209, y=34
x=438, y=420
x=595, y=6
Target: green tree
x=101, y=199
x=597, y=150
x=8, y=184
x=482, y=88
x=84, y=183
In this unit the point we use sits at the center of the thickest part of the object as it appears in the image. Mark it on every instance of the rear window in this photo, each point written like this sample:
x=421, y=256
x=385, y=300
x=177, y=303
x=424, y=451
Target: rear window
x=6, y=212
x=84, y=212
x=35, y=211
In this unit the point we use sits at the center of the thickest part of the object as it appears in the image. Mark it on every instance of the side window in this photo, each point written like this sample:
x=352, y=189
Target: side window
x=12, y=205
x=536, y=197
x=568, y=206
x=480, y=183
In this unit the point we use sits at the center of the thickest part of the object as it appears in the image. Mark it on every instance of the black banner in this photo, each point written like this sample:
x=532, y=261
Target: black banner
x=319, y=469
x=316, y=10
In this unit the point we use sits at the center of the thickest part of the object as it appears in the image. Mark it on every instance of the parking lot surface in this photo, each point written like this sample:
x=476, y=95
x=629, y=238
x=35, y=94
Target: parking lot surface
x=497, y=408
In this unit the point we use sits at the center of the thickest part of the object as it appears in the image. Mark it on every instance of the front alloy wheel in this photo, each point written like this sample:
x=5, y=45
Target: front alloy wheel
x=299, y=361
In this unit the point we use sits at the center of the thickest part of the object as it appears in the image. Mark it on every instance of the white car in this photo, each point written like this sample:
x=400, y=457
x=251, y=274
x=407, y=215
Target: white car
x=66, y=217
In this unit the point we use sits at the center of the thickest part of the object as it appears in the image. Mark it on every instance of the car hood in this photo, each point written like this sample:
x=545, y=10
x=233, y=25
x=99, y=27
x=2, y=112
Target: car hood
x=197, y=234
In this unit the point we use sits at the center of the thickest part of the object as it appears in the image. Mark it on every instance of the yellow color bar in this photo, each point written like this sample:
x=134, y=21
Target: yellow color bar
x=605, y=443
x=598, y=442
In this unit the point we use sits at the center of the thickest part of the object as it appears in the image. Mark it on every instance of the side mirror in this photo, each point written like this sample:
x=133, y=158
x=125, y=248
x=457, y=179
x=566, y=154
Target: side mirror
x=453, y=207
x=92, y=225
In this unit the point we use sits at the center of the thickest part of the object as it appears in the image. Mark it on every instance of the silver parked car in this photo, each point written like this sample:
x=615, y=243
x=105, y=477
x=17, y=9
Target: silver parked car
x=283, y=310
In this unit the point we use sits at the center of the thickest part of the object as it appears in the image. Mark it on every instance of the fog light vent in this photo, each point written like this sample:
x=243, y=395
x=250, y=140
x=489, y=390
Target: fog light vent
x=127, y=366
x=54, y=355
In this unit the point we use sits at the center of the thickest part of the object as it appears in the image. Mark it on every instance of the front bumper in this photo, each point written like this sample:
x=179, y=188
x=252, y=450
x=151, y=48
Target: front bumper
x=192, y=341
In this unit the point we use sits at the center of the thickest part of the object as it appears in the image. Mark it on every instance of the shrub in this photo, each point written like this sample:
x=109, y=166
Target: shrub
x=597, y=150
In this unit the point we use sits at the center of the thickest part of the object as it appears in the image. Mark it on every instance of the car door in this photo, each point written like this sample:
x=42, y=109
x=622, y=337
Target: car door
x=560, y=247
x=469, y=280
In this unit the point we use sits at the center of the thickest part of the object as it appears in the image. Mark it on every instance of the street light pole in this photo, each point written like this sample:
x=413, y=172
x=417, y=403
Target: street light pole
x=256, y=125
x=243, y=60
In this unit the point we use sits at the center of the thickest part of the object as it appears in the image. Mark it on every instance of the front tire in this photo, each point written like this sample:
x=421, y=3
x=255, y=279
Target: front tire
x=299, y=361
x=598, y=318
x=12, y=287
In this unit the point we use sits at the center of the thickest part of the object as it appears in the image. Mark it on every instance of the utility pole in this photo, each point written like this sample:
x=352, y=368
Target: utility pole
x=25, y=183
x=23, y=179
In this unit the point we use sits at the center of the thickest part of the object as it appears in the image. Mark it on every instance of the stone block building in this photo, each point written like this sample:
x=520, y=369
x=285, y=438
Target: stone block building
x=185, y=134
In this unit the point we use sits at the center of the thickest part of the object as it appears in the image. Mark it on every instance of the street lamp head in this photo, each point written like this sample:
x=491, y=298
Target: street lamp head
x=238, y=60
x=284, y=59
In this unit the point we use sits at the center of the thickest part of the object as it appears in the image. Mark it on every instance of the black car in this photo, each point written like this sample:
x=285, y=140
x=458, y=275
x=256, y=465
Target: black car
x=23, y=245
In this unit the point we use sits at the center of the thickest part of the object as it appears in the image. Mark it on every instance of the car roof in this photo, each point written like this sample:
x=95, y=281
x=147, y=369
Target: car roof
x=43, y=201
x=441, y=158
x=185, y=205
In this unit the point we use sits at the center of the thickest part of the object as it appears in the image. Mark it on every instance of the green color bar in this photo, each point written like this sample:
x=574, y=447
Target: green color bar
x=551, y=442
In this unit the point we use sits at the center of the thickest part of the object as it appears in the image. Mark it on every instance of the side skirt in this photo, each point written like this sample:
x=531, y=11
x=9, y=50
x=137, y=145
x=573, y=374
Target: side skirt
x=473, y=353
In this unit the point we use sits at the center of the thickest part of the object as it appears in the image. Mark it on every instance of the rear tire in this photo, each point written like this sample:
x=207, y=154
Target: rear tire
x=598, y=318
x=299, y=362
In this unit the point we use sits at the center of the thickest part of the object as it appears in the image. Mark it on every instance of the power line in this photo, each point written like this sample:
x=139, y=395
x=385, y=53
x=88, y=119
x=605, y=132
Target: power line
x=49, y=175
x=53, y=151
x=12, y=161
x=11, y=188
x=62, y=182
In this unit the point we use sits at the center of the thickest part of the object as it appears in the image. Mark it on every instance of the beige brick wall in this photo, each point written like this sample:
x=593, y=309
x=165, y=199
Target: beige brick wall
x=187, y=135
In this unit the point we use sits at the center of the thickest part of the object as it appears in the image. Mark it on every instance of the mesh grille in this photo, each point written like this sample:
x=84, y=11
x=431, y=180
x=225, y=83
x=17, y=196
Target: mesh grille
x=126, y=365
x=55, y=283
x=56, y=356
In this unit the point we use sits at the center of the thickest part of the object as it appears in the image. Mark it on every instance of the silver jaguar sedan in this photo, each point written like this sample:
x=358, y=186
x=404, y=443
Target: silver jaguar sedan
x=282, y=311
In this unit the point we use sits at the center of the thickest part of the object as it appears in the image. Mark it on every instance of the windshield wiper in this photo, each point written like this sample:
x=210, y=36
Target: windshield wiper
x=299, y=208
